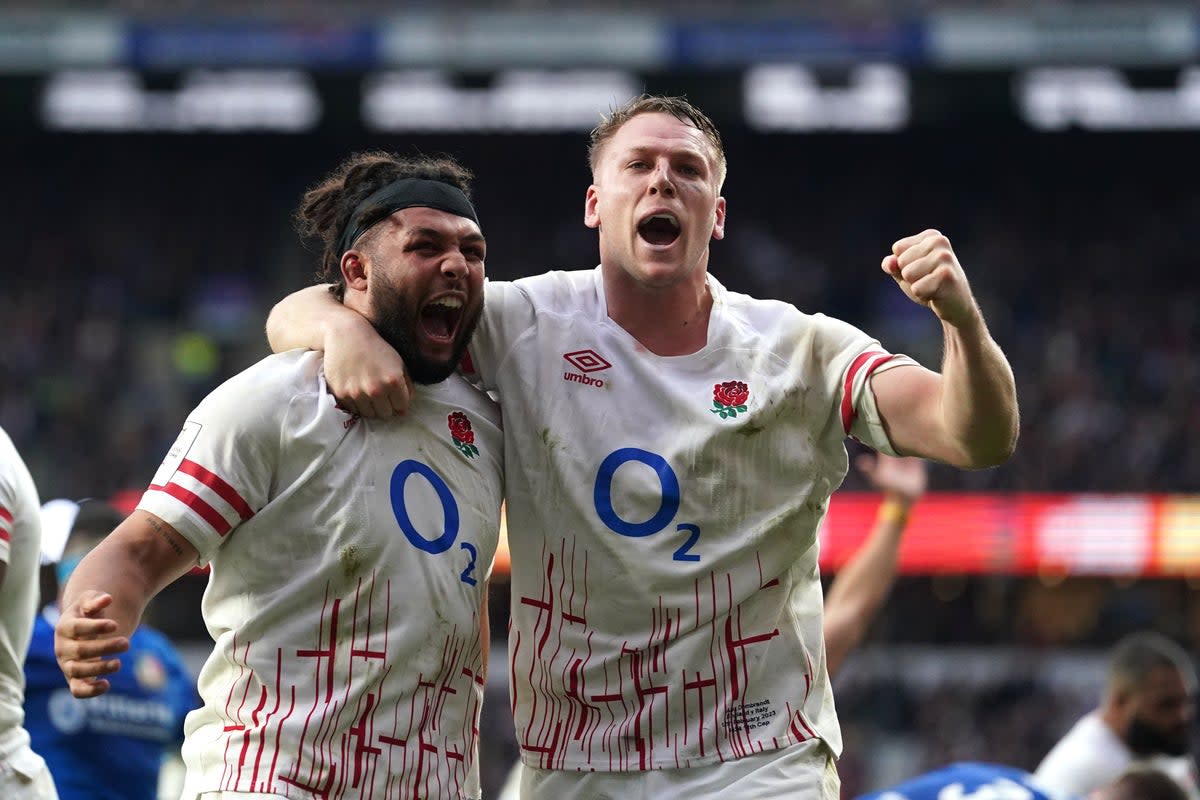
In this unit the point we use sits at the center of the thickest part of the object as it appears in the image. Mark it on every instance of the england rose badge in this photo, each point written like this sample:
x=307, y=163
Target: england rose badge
x=460, y=431
x=730, y=398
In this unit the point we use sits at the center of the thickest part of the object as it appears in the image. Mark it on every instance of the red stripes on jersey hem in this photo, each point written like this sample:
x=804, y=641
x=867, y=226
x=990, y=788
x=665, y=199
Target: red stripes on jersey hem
x=849, y=412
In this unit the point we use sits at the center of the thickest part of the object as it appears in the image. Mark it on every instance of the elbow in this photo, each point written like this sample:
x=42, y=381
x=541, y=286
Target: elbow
x=992, y=450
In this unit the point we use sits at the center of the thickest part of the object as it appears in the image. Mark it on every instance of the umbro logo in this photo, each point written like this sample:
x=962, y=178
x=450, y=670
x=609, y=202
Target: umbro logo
x=585, y=361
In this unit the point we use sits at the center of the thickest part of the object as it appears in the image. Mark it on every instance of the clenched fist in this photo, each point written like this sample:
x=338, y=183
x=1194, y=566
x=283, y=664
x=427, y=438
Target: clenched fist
x=929, y=273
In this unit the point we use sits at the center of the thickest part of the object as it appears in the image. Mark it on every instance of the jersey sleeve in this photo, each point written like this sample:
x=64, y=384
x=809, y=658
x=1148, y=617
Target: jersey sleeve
x=851, y=358
x=507, y=314
x=220, y=470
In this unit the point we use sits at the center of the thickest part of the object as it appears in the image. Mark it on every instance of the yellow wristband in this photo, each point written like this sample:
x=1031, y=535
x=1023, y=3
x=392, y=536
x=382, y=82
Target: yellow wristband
x=892, y=511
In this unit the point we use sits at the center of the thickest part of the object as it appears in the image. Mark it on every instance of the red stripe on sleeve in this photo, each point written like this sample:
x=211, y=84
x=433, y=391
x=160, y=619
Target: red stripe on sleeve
x=6, y=515
x=849, y=412
x=197, y=504
x=215, y=482
x=6, y=519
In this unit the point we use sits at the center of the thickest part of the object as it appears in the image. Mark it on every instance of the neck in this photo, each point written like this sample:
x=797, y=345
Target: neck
x=1112, y=718
x=667, y=320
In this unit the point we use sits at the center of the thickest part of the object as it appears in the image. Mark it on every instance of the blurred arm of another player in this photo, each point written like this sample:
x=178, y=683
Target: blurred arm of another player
x=865, y=580
x=103, y=601
x=965, y=416
x=366, y=375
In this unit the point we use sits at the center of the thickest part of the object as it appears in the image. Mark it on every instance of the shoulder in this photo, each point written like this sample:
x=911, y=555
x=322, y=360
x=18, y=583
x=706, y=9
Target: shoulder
x=287, y=372
x=777, y=326
x=764, y=314
x=1091, y=732
x=268, y=387
x=1088, y=750
x=547, y=289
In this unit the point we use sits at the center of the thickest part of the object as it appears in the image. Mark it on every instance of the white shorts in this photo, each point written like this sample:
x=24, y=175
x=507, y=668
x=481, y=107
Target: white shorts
x=24, y=776
x=807, y=770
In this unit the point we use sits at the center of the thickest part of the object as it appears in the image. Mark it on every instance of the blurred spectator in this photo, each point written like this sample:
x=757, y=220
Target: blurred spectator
x=1145, y=719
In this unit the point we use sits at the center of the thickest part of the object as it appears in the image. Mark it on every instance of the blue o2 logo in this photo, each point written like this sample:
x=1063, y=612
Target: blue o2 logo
x=400, y=475
x=668, y=507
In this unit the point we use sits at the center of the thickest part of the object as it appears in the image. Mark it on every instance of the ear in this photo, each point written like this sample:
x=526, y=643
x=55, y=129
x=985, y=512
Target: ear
x=591, y=214
x=719, y=226
x=354, y=270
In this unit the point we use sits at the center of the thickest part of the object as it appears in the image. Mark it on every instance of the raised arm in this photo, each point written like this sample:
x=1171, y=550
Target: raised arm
x=105, y=597
x=367, y=377
x=966, y=416
x=864, y=581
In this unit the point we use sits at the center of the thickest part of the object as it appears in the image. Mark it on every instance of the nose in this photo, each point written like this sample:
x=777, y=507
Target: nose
x=661, y=182
x=454, y=265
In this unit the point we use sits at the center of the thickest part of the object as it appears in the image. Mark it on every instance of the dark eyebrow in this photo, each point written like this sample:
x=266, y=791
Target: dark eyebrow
x=688, y=154
x=434, y=233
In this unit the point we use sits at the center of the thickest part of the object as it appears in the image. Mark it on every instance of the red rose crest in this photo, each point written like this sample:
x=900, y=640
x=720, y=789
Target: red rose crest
x=729, y=398
x=464, y=437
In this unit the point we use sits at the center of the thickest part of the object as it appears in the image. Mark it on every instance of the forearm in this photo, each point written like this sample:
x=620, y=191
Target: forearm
x=978, y=396
x=866, y=578
x=111, y=570
x=304, y=319
x=864, y=581
x=133, y=564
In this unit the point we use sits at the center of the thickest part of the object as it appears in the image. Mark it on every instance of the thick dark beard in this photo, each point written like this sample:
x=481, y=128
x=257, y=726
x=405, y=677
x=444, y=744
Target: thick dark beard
x=1146, y=740
x=396, y=322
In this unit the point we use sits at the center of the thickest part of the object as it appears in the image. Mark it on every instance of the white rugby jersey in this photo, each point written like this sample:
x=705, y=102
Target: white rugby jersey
x=20, y=549
x=662, y=518
x=349, y=561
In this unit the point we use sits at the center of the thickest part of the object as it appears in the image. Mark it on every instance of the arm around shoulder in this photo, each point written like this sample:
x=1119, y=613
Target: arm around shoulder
x=366, y=375
x=304, y=318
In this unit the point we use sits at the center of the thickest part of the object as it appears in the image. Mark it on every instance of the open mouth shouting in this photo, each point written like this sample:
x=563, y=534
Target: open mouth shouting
x=441, y=318
x=659, y=229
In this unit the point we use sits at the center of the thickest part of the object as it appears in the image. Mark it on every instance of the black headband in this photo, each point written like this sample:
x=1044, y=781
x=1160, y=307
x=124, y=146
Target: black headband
x=404, y=193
